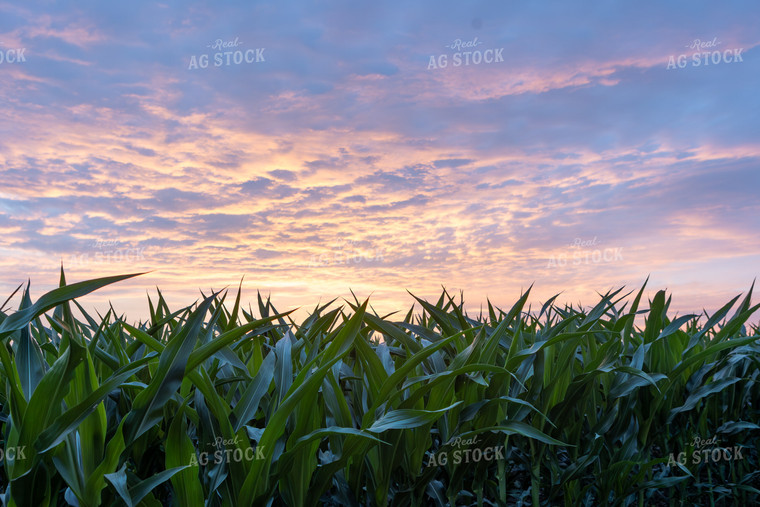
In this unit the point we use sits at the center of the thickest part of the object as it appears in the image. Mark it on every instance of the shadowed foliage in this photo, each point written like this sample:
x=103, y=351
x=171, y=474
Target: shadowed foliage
x=218, y=405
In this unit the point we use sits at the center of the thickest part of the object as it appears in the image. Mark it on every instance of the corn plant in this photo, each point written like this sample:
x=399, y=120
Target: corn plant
x=222, y=404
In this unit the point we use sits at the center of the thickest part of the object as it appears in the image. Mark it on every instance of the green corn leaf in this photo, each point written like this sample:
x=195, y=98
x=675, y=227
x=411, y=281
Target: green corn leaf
x=517, y=428
x=248, y=404
x=407, y=419
x=179, y=453
x=703, y=392
x=54, y=298
x=133, y=495
x=46, y=403
x=69, y=420
x=29, y=363
x=147, y=407
x=302, y=387
x=225, y=339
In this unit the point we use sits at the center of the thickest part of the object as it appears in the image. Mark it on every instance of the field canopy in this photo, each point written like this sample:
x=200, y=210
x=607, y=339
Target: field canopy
x=221, y=403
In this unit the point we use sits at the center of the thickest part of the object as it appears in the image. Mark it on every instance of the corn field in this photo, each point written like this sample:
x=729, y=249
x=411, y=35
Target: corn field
x=216, y=404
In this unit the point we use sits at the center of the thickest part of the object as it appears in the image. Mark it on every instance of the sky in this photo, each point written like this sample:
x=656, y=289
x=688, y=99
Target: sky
x=311, y=149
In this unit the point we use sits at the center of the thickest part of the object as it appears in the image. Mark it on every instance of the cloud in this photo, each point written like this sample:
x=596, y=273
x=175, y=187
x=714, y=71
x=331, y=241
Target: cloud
x=283, y=174
x=343, y=142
